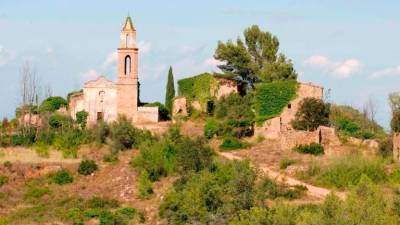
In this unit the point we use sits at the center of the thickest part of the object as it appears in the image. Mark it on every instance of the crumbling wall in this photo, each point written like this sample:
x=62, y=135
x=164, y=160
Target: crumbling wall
x=147, y=115
x=179, y=107
x=226, y=87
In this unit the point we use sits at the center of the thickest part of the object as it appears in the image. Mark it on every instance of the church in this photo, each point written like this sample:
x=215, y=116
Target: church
x=105, y=100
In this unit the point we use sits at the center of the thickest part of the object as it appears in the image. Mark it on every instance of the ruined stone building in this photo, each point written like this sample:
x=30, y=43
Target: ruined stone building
x=105, y=100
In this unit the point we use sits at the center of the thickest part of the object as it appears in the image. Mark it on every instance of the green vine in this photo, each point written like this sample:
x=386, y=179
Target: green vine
x=198, y=88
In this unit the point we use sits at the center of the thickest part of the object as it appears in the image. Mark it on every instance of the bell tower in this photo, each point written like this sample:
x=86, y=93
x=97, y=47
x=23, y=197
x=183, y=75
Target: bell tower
x=127, y=84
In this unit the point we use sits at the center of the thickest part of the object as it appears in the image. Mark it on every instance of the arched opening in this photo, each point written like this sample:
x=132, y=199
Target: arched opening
x=127, y=65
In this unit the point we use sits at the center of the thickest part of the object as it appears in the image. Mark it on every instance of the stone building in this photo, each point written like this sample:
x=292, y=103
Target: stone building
x=105, y=100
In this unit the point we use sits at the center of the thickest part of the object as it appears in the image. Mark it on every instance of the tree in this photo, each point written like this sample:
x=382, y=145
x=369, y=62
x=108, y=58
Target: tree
x=394, y=101
x=312, y=114
x=170, y=91
x=255, y=59
x=395, y=123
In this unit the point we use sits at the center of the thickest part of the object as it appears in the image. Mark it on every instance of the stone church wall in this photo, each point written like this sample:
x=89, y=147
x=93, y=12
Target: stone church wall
x=147, y=115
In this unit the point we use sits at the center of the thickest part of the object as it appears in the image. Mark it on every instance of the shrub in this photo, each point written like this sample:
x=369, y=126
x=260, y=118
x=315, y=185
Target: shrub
x=101, y=131
x=231, y=144
x=347, y=171
x=285, y=163
x=272, y=98
x=211, y=128
x=60, y=121
x=70, y=140
x=42, y=149
x=5, y=141
x=52, y=104
x=3, y=180
x=386, y=147
x=87, y=167
x=144, y=185
x=7, y=164
x=102, y=203
x=61, y=177
x=111, y=158
x=193, y=155
x=395, y=122
x=312, y=114
x=81, y=118
x=313, y=149
x=35, y=192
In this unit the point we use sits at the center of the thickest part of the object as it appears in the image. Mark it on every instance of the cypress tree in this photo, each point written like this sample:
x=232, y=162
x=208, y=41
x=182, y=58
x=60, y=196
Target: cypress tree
x=170, y=91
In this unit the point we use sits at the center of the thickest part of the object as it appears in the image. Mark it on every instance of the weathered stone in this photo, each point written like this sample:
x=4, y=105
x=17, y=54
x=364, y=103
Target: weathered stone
x=179, y=107
x=396, y=147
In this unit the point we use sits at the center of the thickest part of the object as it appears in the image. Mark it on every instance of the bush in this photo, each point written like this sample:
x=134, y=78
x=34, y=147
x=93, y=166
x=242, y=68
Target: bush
x=60, y=121
x=313, y=149
x=144, y=186
x=211, y=128
x=386, y=147
x=312, y=114
x=81, y=118
x=395, y=122
x=231, y=144
x=345, y=172
x=61, y=177
x=3, y=180
x=272, y=98
x=7, y=164
x=42, y=149
x=52, y=104
x=101, y=131
x=102, y=203
x=285, y=163
x=87, y=167
x=193, y=155
x=70, y=140
x=111, y=158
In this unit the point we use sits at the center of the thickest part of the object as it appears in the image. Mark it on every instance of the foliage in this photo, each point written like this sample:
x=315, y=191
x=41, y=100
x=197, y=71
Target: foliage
x=72, y=94
x=144, y=185
x=271, y=98
x=311, y=114
x=101, y=131
x=42, y=149
x=352, y=122
x=60, y=121
x=61, y=177
x=386, y=147
x=269, y=189
x=81, y=118
x=211, y=197
x=255, y=59
x=163, y=111
x=285, y=163
x=198, y=88
x=125, y=136
x=233, y=117
x=313, y=149
x=3, y=180
x=102, y=203
x=111, y=158
x=395, y=122
x=170, y=91
x=87, y=167
x=230, y=143
x=51, y=104
x=347, y=171
x=69, y=141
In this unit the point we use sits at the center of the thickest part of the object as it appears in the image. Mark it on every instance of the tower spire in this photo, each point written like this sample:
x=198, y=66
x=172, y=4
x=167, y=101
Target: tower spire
x=128, y=24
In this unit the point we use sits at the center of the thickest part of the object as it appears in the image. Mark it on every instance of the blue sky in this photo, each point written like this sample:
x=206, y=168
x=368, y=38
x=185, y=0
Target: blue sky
x=349, y=46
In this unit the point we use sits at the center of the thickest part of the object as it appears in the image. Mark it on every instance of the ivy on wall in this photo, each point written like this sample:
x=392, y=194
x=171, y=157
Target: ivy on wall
x=271, y=98
x=198, y=88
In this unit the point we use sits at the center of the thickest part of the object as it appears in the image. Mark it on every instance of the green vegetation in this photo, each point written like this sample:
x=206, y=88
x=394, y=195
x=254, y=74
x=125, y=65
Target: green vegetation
x=69, y=141
x=344, y=172
x=87, y=167
x=256, y=58
x=145, y=185
x=231, y=143
x=42, y=149
x=51, y=104
x=272, y=98
x=61, y=177
x=311, y=114
x=198, y=88
x=81, y=118
x=285, y=163
x=60, y=121
x=3, y=180
x=170, y=91
x=313, y=149
x=351, y=122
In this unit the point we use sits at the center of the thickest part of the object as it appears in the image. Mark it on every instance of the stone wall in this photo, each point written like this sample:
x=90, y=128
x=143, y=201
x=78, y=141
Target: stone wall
x=225, y=87
x=147, y=115
x=396, y=147
x=76, y=104
x=306, y=90
x=179, y=107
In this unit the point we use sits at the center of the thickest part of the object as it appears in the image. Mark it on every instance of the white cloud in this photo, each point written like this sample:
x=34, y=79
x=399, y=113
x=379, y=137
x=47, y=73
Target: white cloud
x=90, y=74
x=6, y=56
x=111, y=59
x=341, y=69
x=50, y=51
x=145, y=47
x=392, y=71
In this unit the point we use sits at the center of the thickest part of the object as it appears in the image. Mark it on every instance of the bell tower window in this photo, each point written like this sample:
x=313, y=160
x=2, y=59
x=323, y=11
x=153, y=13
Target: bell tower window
x=127, y=65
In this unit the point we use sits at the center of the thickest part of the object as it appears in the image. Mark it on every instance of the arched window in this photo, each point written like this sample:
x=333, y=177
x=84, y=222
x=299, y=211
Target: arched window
x=127, y=40
x=127, y=65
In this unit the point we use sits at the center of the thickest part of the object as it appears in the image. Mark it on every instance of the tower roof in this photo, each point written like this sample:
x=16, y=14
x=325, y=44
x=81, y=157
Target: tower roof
x=128, y=24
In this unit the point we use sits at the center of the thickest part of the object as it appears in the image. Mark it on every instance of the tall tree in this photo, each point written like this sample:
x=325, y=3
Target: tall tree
x=170, y=90
x=256, y=58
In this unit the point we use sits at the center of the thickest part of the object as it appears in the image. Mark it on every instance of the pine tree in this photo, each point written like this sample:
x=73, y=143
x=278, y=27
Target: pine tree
x=170, y=91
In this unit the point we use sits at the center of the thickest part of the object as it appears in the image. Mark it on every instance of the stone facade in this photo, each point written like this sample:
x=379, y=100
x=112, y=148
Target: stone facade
x=179, y=107
x=225, y=87
x=105, y=100
x=396, y=147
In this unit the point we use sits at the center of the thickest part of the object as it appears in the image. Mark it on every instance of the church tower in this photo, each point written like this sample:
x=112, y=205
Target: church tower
x=127, y=84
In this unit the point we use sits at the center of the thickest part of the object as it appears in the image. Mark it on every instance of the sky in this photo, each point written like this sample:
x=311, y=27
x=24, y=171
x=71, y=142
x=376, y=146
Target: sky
x=351, y=47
